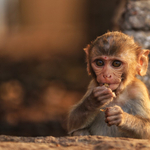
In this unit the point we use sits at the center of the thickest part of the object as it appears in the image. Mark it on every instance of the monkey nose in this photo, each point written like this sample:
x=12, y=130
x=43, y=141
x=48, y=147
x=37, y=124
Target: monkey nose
x=107, y=76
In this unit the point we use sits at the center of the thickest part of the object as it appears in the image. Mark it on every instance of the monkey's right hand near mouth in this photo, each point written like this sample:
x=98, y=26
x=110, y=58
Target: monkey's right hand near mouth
x=102, y=95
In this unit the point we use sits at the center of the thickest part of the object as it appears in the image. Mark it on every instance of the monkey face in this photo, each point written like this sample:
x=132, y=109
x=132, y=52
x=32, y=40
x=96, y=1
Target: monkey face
x=108, y=70
x=115, y=59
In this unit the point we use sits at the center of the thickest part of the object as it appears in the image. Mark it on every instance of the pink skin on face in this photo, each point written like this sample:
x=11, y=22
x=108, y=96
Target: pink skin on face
x=107, y=73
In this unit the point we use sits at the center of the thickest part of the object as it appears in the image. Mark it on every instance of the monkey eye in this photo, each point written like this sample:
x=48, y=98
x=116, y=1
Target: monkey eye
x=116, y=63
x=99, y=62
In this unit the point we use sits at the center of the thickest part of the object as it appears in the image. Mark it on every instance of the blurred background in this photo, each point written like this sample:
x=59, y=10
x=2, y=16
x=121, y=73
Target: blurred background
x=42, y=62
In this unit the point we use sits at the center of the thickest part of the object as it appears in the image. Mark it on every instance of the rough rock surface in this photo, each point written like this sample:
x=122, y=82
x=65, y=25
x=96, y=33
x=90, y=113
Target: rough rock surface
x=142, y=37
x=137, y=15
x=136, y=21
x=72, y=143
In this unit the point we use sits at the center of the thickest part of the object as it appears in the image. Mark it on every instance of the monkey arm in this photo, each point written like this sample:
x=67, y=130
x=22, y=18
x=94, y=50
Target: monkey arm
x=138, y=123
x=135, y=126
x=82, y=114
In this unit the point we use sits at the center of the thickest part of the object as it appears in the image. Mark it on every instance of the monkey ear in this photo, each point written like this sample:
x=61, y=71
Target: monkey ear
x=143, y=62
x=87, y=58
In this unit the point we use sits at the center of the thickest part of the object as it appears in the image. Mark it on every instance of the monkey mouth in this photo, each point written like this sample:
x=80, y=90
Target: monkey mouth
x=112, y=86
x=106, y=84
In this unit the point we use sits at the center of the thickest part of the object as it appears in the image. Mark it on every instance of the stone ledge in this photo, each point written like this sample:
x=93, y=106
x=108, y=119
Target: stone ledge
x=72, y=143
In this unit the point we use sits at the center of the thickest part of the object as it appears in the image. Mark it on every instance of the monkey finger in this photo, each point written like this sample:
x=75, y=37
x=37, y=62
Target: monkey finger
x=114, y=122
x=106, y=101
x=107, y=123
x=114, y=95
x=99, y=88
x=103, y=92
x=111, y=118
x=104, y=97
x=111, y=111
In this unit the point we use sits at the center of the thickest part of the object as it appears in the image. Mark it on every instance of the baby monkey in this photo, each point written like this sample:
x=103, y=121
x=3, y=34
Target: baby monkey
x=116, y=103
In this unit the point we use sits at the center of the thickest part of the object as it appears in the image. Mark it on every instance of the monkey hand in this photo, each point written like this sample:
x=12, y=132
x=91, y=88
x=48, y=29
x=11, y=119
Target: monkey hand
x=102, y=95
x=114, y=115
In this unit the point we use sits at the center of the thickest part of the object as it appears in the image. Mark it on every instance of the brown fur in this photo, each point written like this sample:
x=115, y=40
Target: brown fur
x=128, y=113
